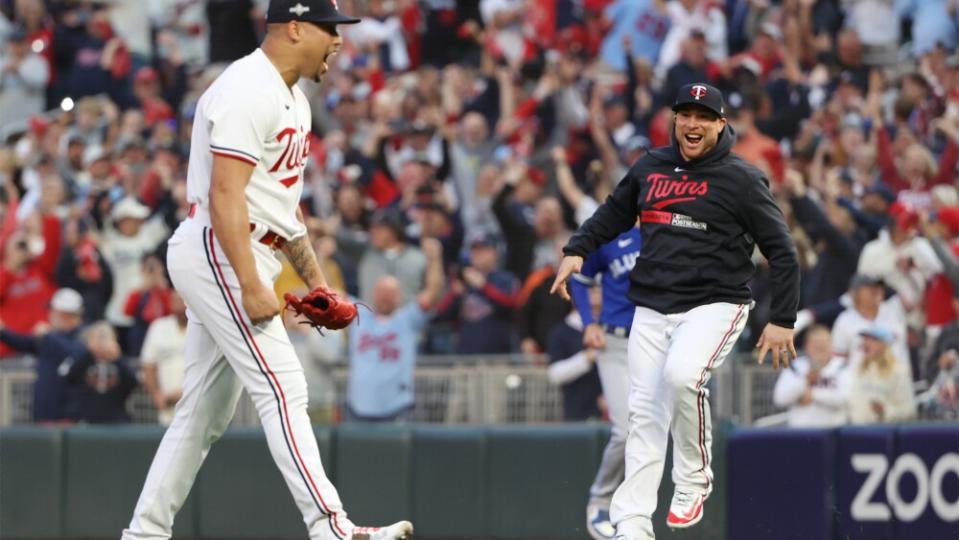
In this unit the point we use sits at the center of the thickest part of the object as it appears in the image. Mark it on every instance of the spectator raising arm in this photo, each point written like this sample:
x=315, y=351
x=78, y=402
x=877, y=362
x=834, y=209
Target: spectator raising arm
x=812, y=219
x=51, y=245
x=597, y=130
x=890, y=172
x=583, y=205
x=19, y=342
x=433, y=281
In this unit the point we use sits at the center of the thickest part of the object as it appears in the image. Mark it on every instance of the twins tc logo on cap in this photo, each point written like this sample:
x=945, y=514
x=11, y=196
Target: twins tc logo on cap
x=700, y=94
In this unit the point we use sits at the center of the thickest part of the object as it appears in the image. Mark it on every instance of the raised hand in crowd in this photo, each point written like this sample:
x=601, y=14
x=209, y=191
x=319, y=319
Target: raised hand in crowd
x=794, y=184
x=473, y=277
x=948, y=126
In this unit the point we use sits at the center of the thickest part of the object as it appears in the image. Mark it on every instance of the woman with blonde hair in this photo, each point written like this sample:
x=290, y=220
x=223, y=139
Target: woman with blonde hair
x=881, y=387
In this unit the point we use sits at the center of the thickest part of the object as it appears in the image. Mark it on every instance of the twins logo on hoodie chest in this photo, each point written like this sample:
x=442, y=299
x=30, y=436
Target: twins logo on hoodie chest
x=660, y=191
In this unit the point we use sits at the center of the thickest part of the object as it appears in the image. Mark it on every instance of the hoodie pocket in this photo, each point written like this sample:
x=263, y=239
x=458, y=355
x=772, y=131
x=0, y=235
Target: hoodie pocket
x=658, y=274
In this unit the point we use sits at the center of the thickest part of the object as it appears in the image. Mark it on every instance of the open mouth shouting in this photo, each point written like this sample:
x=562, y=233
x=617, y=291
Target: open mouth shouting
x=697, y=131
x=693, y=143
x=693, y=139
x=699, y=120
x=330, y=54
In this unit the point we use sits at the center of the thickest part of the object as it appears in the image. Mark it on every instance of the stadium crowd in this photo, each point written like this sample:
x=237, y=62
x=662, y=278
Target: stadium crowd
x=494, y=127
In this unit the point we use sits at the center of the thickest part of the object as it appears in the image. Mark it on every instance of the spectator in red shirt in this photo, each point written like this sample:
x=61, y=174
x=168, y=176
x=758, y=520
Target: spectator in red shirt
x=917, y=171
x=761, y=58
x=26, y=277
x=148, y=303
x=942, y=231
x=33, y=16
x=146, y=88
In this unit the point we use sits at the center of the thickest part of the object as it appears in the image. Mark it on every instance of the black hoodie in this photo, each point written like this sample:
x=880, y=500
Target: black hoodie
x=700, y=220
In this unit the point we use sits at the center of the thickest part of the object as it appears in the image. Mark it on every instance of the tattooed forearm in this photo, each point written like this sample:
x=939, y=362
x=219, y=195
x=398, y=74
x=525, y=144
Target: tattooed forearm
x=300, y=254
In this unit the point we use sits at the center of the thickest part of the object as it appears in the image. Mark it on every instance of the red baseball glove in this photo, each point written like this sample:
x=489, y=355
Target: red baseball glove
x=323, y=308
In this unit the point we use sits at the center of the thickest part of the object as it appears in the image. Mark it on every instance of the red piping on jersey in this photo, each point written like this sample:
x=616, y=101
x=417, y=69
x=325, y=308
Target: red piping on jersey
x=269, y=371
x=701, y=395
x=244, y=159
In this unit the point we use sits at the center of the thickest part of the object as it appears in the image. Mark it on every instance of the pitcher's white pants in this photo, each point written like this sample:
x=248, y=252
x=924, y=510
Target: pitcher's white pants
x=670, y=361
x=225, y=353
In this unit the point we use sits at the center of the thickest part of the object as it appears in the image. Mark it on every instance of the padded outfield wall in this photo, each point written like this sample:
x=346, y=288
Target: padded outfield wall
x=468, y=483
x=477, y=483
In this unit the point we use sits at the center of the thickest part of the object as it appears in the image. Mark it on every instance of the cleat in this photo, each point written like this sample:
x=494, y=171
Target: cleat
x=598, y=524
x=400, y=530
x=686, y=509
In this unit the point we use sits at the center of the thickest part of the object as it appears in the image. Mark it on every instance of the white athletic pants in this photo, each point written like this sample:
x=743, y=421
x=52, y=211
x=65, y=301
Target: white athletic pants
x=614, y=376
x=670, y=360
x=225, y=353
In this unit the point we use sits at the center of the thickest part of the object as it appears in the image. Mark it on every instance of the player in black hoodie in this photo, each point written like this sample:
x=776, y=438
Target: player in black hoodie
x=702, y=210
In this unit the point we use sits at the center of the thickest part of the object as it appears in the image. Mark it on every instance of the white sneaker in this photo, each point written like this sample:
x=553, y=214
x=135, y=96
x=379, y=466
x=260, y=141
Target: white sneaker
x=597, y=523
x=401, y=530
x=686, y=509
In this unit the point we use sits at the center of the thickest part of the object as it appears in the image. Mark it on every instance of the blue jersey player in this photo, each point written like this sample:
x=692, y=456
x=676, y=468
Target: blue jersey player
x=610, y=265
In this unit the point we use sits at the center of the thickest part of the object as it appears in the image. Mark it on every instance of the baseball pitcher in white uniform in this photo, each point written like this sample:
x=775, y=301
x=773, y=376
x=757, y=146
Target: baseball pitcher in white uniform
x=245, y=177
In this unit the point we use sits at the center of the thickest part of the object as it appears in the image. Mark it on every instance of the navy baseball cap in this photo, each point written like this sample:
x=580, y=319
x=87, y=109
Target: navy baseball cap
x=701, y=94
x=483, y=239
x=314, y=11
x=883, y=191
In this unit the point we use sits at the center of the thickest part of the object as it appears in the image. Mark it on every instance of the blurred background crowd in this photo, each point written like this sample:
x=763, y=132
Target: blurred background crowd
x=494, y=127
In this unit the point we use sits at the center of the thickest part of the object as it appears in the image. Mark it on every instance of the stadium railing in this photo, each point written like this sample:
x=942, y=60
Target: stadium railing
x=487, y=390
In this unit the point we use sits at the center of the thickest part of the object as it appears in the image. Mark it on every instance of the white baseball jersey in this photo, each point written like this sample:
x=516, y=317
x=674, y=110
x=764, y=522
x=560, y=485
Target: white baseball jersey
x=829, y=393
x=250, y=114
x=163, y=347
x=847, y=343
